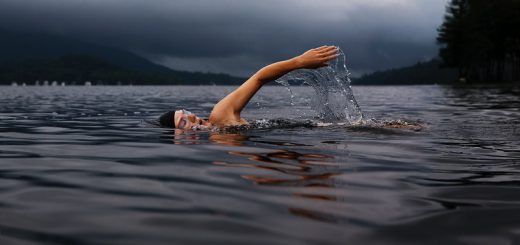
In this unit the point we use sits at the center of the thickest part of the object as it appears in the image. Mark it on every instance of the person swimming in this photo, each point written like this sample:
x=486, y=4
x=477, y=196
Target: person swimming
x=227, y=111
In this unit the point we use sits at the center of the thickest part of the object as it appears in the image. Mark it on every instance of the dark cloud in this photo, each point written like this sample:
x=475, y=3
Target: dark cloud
x=238, y=36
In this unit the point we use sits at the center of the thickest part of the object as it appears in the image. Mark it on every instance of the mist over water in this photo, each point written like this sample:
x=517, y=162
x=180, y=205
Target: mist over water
x=334, y=99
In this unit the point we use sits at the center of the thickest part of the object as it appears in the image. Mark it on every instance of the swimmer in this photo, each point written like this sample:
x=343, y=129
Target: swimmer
x=227, y=111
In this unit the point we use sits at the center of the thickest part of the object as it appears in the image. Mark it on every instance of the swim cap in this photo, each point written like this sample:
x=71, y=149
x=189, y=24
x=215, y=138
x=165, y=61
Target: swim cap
x=166, y=119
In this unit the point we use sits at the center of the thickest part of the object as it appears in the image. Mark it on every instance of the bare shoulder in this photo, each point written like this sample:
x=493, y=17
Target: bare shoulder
x=222, y=119
x=227, y=122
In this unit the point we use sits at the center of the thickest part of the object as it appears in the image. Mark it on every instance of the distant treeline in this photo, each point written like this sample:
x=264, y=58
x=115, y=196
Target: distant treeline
x=420, y=73
x=481, y=39
x=78, y=69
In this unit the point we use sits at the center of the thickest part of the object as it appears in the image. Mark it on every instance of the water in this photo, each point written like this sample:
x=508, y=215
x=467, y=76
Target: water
x=80, y=165
x=333, y=100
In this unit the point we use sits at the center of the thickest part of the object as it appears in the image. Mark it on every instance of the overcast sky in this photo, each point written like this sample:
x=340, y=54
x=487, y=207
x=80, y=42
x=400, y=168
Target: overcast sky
x=240, y=36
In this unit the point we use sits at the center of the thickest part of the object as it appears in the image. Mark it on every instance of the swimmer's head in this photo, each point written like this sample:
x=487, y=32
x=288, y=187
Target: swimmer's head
x=181, y=119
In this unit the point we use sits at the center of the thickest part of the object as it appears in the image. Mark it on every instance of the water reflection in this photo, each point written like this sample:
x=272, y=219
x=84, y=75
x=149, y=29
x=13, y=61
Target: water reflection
x=310, y=173
x=228, y=139
x=85, y=156
x=483, y=97
x=184, y=137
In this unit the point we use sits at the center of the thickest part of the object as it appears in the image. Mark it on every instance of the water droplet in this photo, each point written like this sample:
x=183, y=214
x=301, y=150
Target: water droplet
x=334, y=100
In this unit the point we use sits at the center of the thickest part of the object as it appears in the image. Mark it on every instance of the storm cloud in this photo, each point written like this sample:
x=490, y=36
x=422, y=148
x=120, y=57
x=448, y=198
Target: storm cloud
x=239, y=36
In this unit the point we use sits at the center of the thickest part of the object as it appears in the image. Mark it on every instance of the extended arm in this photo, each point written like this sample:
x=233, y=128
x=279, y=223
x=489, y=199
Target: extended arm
x=227, y=111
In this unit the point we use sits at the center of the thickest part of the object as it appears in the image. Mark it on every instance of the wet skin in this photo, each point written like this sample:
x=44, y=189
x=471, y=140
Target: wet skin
x=186, y=120
x=227, y=111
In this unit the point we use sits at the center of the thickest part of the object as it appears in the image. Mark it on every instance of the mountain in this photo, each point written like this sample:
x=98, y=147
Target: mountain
x=77, y=69
x=421, y=73
x=24, y=56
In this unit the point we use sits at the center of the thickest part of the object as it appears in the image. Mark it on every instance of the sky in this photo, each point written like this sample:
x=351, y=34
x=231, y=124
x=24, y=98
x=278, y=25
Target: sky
x=240, y=36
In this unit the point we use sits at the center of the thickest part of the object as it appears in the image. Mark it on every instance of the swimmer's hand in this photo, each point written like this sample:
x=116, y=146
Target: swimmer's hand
x=316, y=58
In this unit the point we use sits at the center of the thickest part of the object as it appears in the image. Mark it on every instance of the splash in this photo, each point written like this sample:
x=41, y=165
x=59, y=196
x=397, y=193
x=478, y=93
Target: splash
x=368, y=125
x=334, y=100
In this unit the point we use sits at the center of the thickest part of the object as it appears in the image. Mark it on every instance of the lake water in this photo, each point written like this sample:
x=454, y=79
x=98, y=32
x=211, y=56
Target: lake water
x=83, y=165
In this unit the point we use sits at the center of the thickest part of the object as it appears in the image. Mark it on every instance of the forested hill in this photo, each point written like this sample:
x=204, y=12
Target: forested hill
x=79, y=69
x=481, y=39
x=420, y=73
x=26, y=58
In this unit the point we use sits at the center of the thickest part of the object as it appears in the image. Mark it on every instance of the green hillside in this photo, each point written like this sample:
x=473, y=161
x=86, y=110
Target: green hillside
x=421, y=73
x=31, y=57
x=76, y=69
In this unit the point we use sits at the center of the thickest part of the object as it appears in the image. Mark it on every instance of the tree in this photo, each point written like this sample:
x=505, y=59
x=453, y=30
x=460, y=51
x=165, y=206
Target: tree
x=481, y=38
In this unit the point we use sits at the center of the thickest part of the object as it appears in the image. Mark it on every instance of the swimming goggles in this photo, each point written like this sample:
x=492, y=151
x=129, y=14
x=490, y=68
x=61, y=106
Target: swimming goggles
x=184, y=118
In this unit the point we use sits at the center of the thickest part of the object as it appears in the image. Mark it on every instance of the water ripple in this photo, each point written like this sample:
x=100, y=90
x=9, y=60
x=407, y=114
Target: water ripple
x=87, y=166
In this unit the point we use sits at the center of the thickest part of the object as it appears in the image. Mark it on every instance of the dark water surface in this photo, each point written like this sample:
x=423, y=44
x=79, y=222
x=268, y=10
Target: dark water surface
x=80, y=165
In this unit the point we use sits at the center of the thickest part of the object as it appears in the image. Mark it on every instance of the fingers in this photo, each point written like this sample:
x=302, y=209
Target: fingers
x=328, y=48
x=324, y=48
x=330, y=57
x=329, y=52
x=318, y=57
x=324, y=61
